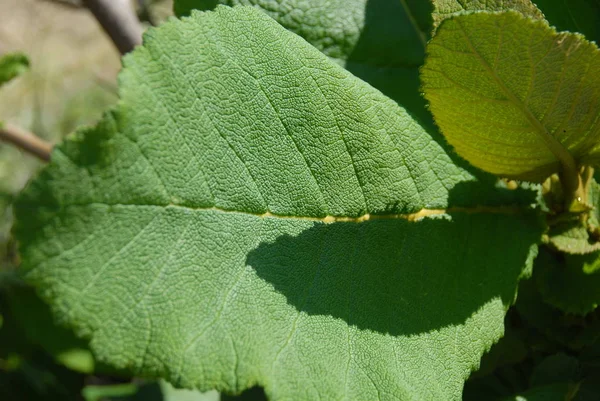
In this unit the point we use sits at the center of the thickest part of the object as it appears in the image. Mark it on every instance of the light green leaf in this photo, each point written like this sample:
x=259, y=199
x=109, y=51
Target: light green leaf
x=253, y=214
x=145, y=391
x=443, y=9
x=581, y=16
x=514, y=97
x=99, y=393
x=170, y=393
x=12, y=65
x=380, y=41
x=572, y=237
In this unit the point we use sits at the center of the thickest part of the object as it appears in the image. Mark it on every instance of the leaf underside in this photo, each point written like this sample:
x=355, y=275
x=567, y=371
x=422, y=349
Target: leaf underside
x=512, y=95
x=245, y=217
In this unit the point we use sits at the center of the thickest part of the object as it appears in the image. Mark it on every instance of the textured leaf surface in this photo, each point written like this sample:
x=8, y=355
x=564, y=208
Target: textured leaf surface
x=11, y=66
x=251, y=214
x=380, y=41
x=443, y=9
x=581, y=16
x=512, y=95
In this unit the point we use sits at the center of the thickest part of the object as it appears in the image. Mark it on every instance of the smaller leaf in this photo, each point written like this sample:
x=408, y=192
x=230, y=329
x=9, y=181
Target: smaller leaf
x=554, y=392
x=12, y=65
x=551, y=322
x=581, y=16
x=558, y=368
x=564, y=283
x=572, y=237
x=514, y=97
x=447, y=8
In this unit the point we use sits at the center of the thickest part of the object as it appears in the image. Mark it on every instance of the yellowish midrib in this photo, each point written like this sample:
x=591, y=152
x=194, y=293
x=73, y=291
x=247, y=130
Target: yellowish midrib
x=419, y=215
x=557, y=149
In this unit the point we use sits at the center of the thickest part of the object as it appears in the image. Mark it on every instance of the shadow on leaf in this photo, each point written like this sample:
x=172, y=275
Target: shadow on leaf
x=400, y=277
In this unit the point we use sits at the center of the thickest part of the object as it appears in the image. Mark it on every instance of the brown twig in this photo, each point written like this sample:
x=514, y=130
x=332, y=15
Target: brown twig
x=119, y=21
x=26, y=141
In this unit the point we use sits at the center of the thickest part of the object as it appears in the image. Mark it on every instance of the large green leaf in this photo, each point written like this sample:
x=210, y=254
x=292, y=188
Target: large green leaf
x=380, y=41
x=253, y=214
x=581, y=16
x=513, y=96
x=443, y=9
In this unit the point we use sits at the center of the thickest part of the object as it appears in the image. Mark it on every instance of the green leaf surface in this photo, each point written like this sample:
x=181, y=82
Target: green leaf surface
x=380, y=41
x=253, y=214
x=565, y=281
x=557, y=327
x=443, y=9
x=145, y=391
x=572, y=237
x=12, y=65
x=553, y=392
x=514, y=97
x=557, y=368
x=35, y=319
x=581, y=16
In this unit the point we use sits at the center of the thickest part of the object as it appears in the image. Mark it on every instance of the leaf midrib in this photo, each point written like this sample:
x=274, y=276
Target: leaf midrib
x=329, y=219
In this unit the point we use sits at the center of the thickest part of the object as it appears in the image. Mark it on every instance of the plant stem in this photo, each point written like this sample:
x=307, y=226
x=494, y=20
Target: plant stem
x=26, y=141
x=119, y=21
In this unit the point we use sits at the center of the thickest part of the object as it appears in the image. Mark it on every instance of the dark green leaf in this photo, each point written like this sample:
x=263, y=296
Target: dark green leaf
x=581, y=16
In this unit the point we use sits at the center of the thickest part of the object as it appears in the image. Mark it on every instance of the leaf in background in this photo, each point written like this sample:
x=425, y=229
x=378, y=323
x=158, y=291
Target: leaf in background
x=557, y=368
x=579, y=234
x=553, y=392
x=581, y=16
x=380, y=41
x=26, y=372
x=551, y=322
x=514, y=97
x=443, y=9
x=252, y=214
x=12, y=65
x=35, y=320
x=565, y=283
